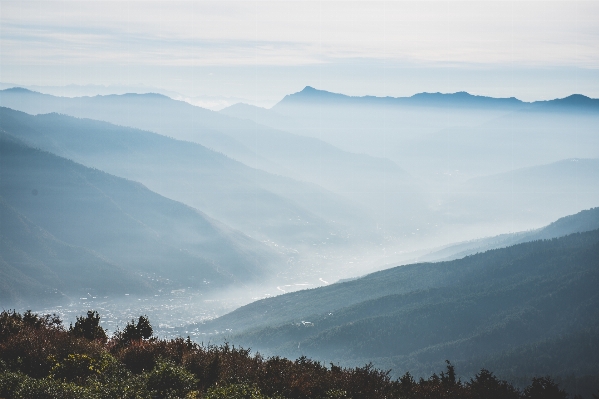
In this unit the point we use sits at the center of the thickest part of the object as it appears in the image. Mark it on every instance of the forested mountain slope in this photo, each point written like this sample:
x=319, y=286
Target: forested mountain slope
x=93, y=222
x=475, y=310
x=36, y=267
x=358, y=176
x=258, y=203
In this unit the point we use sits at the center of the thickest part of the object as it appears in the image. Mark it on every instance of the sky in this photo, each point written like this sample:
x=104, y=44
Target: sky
x=260, y=51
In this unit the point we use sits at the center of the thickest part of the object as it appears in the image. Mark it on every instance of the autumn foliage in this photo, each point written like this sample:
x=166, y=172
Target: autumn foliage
x=39, y=358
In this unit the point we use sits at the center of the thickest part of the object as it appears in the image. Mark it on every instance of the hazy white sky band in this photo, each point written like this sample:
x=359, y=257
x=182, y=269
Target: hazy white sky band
x=429, y=35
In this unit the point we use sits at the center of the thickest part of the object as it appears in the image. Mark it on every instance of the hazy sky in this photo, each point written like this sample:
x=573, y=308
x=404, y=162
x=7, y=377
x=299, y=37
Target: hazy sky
x=263, y=50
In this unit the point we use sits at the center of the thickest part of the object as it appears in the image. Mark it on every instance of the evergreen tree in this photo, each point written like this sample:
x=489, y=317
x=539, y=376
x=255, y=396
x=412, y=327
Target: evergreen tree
x=544, y=388
x=88, y=327
x=136, y=332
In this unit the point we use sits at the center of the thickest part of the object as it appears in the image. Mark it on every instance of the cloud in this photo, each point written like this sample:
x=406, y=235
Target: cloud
x=300, y=33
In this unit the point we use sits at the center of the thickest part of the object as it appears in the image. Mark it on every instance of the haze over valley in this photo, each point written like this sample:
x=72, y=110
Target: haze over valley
x=409, y=186
x=293, y=209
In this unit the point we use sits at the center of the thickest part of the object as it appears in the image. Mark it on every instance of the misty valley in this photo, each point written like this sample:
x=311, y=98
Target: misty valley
x=392, y=232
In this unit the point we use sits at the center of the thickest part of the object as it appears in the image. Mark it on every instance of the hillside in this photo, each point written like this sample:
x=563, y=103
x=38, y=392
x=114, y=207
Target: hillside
x=582, y=221
x=359, y=177
x=75, y=218
x=310, y=96
x=475, y=310
x=37, y=268
x=265, y=206
x=441, y=137
x=389, y=172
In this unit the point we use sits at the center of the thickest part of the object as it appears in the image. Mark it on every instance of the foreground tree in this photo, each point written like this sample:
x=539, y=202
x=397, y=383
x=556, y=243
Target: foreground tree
x=485, y=385
x=544, y=388
x=89, y=327
x=136, y=332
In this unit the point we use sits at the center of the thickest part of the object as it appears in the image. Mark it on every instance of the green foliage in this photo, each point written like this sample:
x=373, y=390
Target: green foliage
x=31, y=344
x=168, y=380
x=75, y=367
x=136, y=332
x=49, y=321
x=144, y=328
x=10, y=382
x=116, y=381
x=143, y=355
x=79, y=367
x=89, y=327
x=139, y=357
x=47, y=388
x=39, y=359
x=12, y=323
x=235, y=391
x=335, y=394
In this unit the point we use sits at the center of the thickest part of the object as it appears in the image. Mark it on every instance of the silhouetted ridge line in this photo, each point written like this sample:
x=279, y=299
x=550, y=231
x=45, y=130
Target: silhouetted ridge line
x=574, y=101
x=310, y=95
x=19, y=89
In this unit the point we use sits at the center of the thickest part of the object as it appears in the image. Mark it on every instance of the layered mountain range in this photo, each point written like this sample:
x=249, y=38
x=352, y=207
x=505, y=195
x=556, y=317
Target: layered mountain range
x=68, y=229
x=320, y=187
x=262, y=204
x=406, y=162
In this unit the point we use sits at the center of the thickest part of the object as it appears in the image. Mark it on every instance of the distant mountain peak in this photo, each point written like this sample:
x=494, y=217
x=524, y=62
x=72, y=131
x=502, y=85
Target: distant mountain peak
x=573, y=101
x=576, y=99
x=461, y=98
x=19, y=89
x=577, y=96
x=463, y=94
x=311, y=91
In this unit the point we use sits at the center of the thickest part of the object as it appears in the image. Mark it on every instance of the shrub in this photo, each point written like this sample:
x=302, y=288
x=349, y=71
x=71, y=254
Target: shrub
x=47, y=388
x=10, y=382
x=169, y=380
x=12, y=323
x=235, y=391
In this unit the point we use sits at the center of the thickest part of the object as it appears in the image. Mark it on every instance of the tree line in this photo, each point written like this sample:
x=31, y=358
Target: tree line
x=41, y=358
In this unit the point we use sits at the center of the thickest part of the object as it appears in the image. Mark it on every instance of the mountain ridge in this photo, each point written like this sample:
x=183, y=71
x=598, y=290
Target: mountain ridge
x=123, y=151
x=120, y=222
x=582, y=221
x=421, y=98
x=414, y=317
x=461, y=98
x=566, y=225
